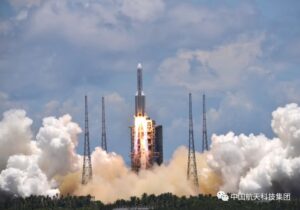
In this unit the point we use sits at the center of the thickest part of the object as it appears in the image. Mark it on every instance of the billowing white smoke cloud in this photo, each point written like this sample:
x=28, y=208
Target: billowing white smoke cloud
x=234, y=163
x=279, y=170
x=256, y=164
x=233, y=156
x=57, y=140
x=286, y=124
x=31, y=165
x=15, y=135
x=24, y=177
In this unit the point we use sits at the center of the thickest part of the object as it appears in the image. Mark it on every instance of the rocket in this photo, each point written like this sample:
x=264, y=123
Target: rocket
x=146, y=137
x=139, y=97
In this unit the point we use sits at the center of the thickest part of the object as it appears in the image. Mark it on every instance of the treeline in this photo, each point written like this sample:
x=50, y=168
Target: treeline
x=165, y=201
x=50, y=203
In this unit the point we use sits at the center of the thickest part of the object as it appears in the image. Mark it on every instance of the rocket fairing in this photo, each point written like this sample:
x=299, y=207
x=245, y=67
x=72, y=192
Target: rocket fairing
x=139, y=97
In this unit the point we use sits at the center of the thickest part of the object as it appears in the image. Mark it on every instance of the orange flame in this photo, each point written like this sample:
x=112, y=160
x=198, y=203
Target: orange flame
x=140, y=138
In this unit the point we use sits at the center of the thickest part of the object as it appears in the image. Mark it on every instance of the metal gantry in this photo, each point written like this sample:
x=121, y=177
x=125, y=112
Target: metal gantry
x=192, y=165
x=87, y=164
x=103, y=137
x=204, y=129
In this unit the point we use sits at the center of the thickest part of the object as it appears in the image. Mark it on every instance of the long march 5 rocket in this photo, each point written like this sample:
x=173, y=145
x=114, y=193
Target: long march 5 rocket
x=146, y=138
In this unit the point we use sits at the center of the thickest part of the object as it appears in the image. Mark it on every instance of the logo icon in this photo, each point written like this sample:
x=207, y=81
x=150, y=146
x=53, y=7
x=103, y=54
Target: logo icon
x=222, y=196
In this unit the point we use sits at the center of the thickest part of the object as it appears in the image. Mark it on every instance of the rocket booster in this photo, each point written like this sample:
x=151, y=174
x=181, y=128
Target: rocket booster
x=139, y=97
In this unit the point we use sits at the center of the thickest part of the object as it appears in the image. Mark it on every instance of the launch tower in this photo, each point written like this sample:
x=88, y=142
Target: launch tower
x=87, y=163
x=146, y=137
x=192, y=165
x=204, y=129
x=103, y=136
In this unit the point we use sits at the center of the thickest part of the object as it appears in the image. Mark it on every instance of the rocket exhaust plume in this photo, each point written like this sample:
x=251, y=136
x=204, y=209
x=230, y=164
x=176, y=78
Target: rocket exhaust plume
x=141, y=141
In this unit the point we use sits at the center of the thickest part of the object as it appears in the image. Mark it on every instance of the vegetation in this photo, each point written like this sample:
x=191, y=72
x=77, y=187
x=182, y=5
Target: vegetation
x=165, y=201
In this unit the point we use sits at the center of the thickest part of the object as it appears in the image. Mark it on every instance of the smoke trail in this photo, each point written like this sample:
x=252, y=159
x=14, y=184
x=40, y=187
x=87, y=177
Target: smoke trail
x=234, y=163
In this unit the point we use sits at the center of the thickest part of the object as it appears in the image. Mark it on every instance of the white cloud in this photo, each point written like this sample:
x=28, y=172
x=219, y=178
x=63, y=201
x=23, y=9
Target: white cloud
x=238, y=100
x=98, y=24
x=83, y=27
x=210, y=22
x=22, y=15
x=24, y=3
x=286, y=91
x=219, y=68
x=4, y=100
x=235, y=107
x=115, y=102
x=142, y=10
x=286, y=125
x=5, y=27
x=51, y=107
x=117, y=111
x=114, y=98
x=57, y=108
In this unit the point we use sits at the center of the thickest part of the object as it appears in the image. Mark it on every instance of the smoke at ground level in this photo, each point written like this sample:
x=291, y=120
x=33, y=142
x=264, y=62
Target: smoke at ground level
x=234, y=163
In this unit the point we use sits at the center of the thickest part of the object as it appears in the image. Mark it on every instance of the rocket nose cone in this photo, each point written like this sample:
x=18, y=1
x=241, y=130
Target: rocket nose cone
x=139, y=66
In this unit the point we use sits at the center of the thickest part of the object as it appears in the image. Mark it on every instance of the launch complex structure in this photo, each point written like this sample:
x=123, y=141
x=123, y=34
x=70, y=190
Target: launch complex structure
x=146, y=136
x=192, y=173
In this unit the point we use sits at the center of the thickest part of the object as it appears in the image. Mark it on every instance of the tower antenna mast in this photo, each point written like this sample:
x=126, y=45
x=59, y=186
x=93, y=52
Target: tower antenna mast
x=204, y=129
x=87, y=164
x=103, y=137
x=192, y=166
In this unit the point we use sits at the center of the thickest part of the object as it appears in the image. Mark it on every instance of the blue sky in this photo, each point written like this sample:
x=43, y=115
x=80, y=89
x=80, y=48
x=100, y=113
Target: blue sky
x=243, y=54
